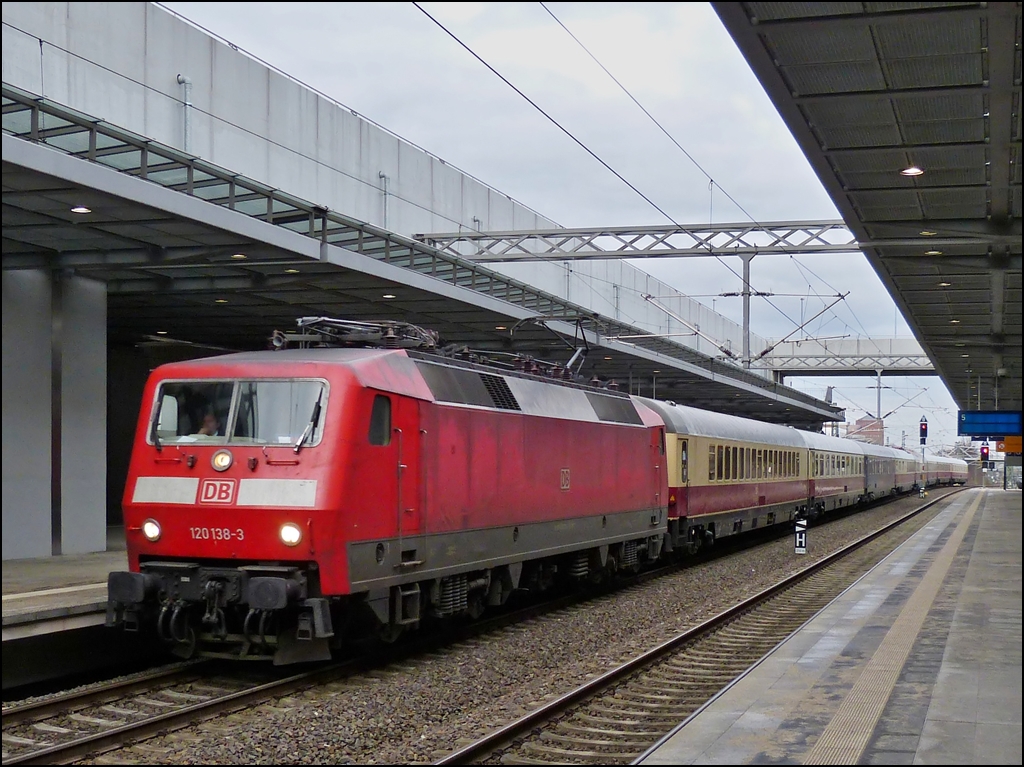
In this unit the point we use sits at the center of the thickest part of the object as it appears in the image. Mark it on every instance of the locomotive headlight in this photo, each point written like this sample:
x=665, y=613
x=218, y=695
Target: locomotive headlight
x=291, y=534
x=151, y=529
x=222, y=460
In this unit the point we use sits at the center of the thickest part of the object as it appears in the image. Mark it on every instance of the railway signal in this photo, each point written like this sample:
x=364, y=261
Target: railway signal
x=984, y=454
x=924, y=430
x=801, y=536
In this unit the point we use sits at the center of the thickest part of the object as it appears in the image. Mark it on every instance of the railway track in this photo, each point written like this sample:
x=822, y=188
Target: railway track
x=616, y=717
x=69, y=727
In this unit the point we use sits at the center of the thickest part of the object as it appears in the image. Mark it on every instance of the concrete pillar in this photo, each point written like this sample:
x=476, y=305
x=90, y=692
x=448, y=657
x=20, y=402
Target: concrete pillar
x=27, y=451
x=54, y=414
x=83, y=505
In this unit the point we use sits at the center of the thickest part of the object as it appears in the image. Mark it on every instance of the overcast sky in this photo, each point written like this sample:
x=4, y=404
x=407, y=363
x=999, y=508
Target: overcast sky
x=392, y=64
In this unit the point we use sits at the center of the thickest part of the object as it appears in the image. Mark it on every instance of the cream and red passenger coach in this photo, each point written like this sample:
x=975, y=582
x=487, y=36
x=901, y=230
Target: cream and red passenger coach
x=278, y=502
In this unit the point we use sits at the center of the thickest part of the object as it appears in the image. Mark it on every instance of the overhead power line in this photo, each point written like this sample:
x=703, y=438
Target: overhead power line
x=681, y=148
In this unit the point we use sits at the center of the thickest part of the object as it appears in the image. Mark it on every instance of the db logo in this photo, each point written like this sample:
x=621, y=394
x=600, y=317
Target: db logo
x=217, y=491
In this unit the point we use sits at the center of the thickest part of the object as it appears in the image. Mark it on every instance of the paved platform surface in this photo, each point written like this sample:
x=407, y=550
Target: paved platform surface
x=61, y=592
x=917, y=663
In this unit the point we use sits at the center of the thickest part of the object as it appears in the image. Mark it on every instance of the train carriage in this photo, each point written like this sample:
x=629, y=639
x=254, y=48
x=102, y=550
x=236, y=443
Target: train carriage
x=944, y=470
x=837, y=473
x=729, y=474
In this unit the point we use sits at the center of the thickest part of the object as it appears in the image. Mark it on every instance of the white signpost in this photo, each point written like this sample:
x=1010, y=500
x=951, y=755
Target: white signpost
x=801, y=536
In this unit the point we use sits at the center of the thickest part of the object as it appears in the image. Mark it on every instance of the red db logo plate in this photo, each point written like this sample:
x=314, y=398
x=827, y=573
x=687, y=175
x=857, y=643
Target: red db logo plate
x=217, y=491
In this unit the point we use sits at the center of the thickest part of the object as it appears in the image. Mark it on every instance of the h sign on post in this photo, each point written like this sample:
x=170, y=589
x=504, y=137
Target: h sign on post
x=801, y=536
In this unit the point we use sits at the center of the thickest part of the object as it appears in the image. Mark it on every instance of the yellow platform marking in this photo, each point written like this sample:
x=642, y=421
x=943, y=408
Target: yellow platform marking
x=847, y=735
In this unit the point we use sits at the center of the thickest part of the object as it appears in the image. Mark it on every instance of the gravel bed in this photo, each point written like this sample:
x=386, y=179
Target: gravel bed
x=467, y=689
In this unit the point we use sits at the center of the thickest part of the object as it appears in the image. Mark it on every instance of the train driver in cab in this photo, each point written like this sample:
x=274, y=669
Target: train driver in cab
x=210, y=426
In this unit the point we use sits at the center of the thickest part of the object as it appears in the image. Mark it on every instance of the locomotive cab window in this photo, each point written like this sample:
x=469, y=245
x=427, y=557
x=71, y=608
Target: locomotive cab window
x=262, y=412
x=380, y=421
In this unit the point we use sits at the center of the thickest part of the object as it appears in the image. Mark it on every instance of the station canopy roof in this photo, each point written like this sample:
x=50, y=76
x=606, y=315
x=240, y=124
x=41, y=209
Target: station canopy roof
x=910, y=114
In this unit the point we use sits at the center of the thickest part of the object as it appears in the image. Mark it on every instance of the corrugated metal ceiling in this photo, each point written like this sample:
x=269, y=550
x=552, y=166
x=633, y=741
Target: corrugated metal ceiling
x=869, y=89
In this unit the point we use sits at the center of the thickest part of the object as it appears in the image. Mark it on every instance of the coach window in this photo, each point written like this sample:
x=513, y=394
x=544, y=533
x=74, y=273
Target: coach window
x=711, y=462
x=728, y=463
x=735, y=463
x=380, y=421
x=684, y=463
x=720, y=469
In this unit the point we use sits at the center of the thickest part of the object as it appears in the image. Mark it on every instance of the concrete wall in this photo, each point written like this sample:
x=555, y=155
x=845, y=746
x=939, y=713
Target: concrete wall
x=54, y=334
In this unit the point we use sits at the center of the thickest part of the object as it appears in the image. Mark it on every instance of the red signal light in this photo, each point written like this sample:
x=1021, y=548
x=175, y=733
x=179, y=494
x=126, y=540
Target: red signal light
x=984, y=452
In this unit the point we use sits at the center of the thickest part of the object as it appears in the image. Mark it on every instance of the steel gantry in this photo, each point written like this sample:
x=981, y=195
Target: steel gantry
x=788, y=238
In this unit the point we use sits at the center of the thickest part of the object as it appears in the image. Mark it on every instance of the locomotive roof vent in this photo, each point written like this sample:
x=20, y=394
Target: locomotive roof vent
x=497, y=387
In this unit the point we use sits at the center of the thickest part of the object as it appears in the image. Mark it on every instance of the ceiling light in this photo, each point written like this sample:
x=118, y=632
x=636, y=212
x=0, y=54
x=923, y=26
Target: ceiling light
x=960, y=344
x=607, y=358
x=954, y=322
x=291, y=271
x=220, y=301
x=500, y=327
x=965, y=355
x=239, y=256
x=655, y=371
x=933, y=252
x=928, y=233
x=945, y=284
x=388, y=295
x=913, y=170
x=161, y=332
x=81, y=209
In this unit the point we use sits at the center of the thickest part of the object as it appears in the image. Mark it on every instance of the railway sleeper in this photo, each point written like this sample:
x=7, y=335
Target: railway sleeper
x=610, y=740
x=636, y=733
x=670, y=718
x=595, y=757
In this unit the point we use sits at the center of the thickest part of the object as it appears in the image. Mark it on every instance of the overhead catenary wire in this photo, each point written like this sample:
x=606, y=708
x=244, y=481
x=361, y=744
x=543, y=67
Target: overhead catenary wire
x=587, y=149
x=711, y=181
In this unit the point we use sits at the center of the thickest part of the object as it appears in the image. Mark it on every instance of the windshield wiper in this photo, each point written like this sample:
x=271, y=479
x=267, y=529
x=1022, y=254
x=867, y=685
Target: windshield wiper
x=313, y=420
x=153, y=430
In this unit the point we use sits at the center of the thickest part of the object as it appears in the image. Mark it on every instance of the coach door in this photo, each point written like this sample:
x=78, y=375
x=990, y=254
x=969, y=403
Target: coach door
x=684, y=475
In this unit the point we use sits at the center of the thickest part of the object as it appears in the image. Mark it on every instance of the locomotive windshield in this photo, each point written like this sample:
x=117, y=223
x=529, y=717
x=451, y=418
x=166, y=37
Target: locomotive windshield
x=253, y=412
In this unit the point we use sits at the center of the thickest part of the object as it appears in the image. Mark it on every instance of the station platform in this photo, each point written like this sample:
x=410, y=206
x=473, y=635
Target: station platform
x=919, y=662
x=60, y=593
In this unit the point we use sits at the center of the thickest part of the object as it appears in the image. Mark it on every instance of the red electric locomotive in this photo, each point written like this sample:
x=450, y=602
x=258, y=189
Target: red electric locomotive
x=278, y=501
